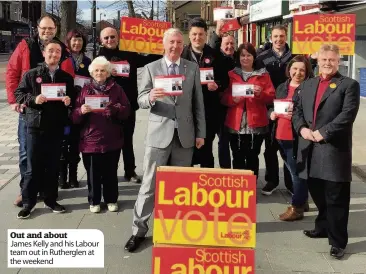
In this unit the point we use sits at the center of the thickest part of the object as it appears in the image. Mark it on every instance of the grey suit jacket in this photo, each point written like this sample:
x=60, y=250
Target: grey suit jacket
x=187, y=109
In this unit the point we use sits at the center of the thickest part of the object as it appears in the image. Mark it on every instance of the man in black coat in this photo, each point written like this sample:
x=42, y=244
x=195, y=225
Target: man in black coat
x=275, y=60
x=206, y=57
x=324, y=112
x=110, y=40
x=45, y=119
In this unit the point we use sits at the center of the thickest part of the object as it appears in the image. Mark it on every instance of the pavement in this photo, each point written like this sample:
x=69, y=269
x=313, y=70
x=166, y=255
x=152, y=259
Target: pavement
x=281, y=247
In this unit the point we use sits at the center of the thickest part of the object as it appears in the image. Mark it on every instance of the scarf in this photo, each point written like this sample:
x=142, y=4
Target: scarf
x=78, y=59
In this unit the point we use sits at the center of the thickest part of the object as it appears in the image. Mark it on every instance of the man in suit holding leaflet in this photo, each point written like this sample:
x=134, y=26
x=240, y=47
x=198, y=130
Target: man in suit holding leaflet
x=325, y=109
x=176, y=125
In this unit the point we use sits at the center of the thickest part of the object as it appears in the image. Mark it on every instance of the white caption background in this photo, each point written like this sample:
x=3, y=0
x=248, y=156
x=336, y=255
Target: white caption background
x=55, y=248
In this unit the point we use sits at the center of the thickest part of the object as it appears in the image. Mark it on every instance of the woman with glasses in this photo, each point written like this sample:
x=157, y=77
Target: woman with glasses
x=76, y=44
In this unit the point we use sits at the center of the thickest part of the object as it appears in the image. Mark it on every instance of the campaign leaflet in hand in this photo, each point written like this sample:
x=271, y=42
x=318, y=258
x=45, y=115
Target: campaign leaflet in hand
x=97, y=102
x=122, y=68
x=55, y=91
x=242, y=90
x=172, y=84
x=206, y=75
x=81, y=81
x=223, y=13
x=281, y=107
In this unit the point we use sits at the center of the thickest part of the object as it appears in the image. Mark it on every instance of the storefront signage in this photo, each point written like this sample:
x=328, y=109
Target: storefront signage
x=295, y=4
x=205, y=207
x=265, y=9
x=311, y=31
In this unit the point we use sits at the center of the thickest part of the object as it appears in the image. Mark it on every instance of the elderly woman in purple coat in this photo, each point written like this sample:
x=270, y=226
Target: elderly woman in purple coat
x=101, y=136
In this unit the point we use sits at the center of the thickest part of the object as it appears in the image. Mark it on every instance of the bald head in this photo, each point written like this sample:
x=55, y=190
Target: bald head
x=109, y=38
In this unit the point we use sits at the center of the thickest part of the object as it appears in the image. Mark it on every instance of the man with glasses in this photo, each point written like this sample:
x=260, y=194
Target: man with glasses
x=109, y=41
x=26, y=56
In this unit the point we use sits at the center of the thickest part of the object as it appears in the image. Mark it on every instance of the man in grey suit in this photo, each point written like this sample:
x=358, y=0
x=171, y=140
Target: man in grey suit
x=176, y=125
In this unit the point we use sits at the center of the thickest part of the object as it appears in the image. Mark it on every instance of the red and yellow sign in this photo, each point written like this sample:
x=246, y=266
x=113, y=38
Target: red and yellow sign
x=140, y=35
x=200, y=260
x=311, y=31
x=212, y=207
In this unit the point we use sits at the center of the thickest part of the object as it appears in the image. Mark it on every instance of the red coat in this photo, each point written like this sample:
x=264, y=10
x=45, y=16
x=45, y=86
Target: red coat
x=19, y=64
x=256, y=107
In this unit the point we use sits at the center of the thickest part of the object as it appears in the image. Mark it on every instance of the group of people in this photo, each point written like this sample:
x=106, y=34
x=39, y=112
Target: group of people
x=314, y=136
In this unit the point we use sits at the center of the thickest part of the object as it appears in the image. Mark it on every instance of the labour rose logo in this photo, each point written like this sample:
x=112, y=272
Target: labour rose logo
x=207, y=60
x=39, y=80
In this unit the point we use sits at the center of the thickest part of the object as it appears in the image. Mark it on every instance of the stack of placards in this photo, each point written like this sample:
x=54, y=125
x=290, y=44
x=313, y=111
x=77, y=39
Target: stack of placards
x=204, y=221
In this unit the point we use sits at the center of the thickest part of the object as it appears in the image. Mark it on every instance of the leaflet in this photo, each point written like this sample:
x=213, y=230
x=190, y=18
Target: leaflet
x=122, y=67
x=242, y=90
x=281, y=107
x=55, y=91
x=223, y=13
x=172, y=84
x=206, y=75
x=97, y=102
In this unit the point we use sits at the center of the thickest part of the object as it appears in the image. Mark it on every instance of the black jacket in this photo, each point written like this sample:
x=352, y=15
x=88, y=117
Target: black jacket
x=281, y=93
x=49, y=115
x=276, y=66
x=210, y=58
x=330, y=159
x=129, y=84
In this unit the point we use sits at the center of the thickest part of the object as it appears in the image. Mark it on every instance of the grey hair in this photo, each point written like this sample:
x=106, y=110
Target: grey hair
x=171, y=31
x=101, y=60
x=329, y=47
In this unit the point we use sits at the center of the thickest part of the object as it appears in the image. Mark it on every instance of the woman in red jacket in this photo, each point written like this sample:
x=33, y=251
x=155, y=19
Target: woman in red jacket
x=247, y=97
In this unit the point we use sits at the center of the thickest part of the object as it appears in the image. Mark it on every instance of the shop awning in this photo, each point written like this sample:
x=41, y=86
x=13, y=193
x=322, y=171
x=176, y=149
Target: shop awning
x=310, y=11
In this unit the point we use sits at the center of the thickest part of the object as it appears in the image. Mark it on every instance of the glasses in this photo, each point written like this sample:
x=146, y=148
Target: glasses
x=46, y=28
x=107, y=37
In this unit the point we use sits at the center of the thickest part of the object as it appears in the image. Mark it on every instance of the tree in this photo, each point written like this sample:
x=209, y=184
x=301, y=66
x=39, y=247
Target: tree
x=147, y=9
x=67, y=17
x=54, y=7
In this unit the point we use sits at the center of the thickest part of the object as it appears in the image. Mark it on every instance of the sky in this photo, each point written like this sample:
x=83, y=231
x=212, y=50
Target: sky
x=109, y=8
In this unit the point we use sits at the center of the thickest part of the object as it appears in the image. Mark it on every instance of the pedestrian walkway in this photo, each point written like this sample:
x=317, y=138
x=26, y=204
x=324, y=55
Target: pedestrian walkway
x=281, y=247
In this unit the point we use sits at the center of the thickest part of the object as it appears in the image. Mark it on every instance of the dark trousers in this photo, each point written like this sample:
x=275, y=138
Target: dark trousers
x=101, y=169
x=43, y=155
x=70, y=151
x=271, y=161
x=332, y=200
x=246, y=149
x=300, y=186
x=127, y=150
x=22, y=139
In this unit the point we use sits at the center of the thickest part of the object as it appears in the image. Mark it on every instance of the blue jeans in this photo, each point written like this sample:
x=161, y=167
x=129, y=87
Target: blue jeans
x=22, y=134
x=300, y=187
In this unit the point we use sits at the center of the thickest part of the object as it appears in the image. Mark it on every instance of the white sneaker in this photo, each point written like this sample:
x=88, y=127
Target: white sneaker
x=113, y=207
x=95, y=208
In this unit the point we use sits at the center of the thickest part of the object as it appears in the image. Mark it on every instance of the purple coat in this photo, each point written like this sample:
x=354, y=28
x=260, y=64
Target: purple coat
x=101, y=132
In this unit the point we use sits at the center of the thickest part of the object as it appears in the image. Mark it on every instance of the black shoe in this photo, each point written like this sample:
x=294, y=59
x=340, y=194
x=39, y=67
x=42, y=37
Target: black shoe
x=133, y=179
x=337, y=252
x=133, y=243
x=24, y=214
x=64, y=185
x=73, y=176
x=56, y=208
x=315, y=234
x=269, y=188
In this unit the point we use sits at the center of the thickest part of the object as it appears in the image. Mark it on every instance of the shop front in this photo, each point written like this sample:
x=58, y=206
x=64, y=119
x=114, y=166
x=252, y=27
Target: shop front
x=266, y=14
